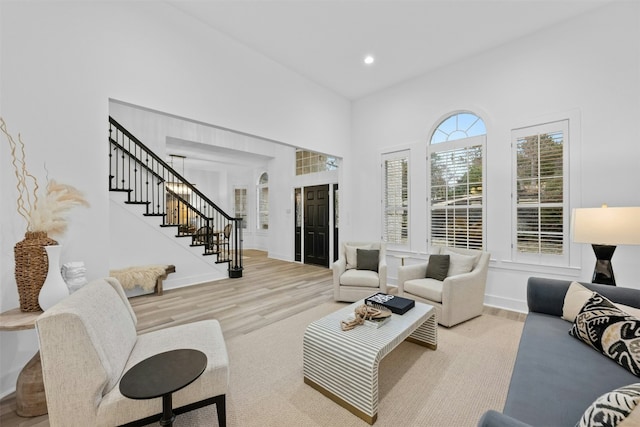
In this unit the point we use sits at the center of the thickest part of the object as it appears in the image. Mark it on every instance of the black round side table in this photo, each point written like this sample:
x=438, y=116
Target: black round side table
x=162, y=375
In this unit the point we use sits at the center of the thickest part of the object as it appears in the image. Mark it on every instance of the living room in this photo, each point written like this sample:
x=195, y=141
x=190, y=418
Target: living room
x=62, y=63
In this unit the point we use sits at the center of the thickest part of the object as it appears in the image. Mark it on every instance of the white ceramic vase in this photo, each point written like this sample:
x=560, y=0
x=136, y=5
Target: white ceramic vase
x=54, y=288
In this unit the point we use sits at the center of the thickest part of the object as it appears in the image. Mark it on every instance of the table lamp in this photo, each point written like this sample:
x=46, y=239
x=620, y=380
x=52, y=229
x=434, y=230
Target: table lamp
x=605, y=228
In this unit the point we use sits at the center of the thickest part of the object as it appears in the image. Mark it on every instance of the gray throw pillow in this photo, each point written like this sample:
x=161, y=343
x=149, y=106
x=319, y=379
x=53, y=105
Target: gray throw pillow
x=437, y=267
x=367, y=259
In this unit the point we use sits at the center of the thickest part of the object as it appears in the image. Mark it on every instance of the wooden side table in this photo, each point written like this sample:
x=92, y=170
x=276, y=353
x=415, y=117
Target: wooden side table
x=402, y=258
x=30, y=397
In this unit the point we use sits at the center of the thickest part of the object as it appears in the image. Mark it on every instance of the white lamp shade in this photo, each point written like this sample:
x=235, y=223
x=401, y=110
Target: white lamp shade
x=606, y=226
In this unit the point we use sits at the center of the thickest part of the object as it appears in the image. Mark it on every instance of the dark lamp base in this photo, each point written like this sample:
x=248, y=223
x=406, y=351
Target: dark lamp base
x=603, y=272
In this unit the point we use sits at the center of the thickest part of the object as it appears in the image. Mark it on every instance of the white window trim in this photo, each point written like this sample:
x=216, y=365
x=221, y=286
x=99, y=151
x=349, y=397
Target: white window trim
x=569, y=124
x=393, y=155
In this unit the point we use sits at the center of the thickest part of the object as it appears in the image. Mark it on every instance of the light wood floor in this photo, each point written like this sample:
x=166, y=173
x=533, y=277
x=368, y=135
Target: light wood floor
x=269, y=291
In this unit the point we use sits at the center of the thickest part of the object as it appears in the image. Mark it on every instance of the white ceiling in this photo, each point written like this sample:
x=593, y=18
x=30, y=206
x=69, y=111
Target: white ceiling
x=327, y=40
x=201, y=156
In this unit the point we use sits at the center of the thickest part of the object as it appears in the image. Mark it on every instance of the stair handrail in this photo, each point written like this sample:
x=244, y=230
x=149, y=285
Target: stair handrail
x=233, y=256
x=164, y=164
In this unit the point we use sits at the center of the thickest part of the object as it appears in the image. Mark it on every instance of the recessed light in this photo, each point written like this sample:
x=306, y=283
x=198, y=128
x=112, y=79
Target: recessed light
x=369, y=59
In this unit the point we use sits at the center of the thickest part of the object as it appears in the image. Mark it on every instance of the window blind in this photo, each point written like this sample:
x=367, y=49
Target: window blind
x=263, y=208
x=456, y=203
x=540, y=193
x=395, y=223
x=241, y=205
x=263, y=202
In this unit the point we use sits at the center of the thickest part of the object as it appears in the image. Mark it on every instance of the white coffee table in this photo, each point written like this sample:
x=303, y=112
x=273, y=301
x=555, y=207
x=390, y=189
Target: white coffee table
x=343, y=365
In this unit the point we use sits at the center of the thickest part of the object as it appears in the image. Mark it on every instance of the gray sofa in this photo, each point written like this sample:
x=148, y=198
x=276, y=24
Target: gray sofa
x=556, y=377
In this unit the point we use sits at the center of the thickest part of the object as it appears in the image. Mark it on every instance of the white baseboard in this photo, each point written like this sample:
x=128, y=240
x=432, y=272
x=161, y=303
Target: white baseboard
x=506, y=303
x=180, y=282
x=279, y=257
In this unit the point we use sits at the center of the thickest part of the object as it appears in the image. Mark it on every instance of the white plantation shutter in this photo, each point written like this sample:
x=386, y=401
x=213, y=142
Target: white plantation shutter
x=540, y=192
x=395, y=203
x=241, y=205
x=263, y=202
x=456, y=199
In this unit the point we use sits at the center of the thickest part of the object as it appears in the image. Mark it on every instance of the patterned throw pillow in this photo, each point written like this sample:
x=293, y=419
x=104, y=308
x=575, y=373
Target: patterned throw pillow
x=609, y=330
x=613, y=408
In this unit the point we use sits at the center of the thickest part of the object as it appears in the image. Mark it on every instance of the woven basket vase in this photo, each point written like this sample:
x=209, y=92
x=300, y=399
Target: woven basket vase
x=32, y=265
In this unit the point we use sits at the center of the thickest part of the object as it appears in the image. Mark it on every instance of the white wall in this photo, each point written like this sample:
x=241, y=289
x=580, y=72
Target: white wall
x=61, y=62
x=216, y=178
x=587, y=68
x=144, y=242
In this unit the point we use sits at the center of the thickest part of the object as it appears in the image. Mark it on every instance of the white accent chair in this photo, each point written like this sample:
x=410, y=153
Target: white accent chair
x=89, y=340
x=351, y=284
x=460, y=296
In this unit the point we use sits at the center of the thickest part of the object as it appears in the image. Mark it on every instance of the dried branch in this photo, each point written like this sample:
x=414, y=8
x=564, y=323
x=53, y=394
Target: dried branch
x=47, y=214
x=24, y=203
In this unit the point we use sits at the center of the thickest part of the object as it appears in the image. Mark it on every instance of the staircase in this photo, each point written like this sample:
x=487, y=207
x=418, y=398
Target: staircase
x=148, y=181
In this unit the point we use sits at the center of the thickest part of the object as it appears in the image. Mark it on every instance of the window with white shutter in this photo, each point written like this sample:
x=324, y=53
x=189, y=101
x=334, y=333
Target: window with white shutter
x=263, y=202
x=395, y=203
x=540, y=192
x=456, y=182
x=240, y=205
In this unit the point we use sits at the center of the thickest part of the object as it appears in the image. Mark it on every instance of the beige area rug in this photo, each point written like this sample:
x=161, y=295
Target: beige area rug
x=453, y=386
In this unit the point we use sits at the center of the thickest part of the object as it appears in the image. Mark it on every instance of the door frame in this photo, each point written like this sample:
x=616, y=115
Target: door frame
x=332, y=215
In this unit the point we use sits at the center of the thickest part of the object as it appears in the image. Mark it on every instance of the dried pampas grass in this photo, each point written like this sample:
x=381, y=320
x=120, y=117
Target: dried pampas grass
x=50, y=212
x=45, y=213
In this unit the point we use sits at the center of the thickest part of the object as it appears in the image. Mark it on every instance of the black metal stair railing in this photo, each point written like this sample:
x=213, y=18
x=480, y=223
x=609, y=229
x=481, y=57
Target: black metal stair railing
x=150, y=181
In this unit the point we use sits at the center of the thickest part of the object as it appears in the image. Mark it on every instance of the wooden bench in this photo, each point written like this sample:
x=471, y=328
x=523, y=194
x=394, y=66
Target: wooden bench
x=142, y=276
x=170, y=269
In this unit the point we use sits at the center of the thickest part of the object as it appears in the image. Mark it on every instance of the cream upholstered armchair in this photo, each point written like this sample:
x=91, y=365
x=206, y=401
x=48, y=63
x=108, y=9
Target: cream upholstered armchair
x=360, y=271
x=89, y=340
x=453, y=281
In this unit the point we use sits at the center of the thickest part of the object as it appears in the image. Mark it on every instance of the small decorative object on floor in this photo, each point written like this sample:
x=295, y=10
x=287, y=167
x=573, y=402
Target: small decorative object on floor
x=397, y=305
x=364, y=313
x=54, y=288
x=74, y=273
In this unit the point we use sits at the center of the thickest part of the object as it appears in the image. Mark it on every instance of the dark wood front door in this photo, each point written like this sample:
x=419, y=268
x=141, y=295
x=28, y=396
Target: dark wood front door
x=316, y=225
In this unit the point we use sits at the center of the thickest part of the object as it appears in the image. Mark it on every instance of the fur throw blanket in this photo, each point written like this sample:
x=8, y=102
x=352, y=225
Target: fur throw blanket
x=145, y=276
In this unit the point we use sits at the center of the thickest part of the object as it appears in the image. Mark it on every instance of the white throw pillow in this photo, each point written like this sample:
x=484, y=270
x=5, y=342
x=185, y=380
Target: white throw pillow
x=576, y=297
x=459, y=264
x=351, y=253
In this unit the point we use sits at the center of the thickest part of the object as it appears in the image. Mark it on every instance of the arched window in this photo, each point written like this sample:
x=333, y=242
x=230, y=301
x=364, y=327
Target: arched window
x=263, y=202
x=456, y=182
x=458, y=126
